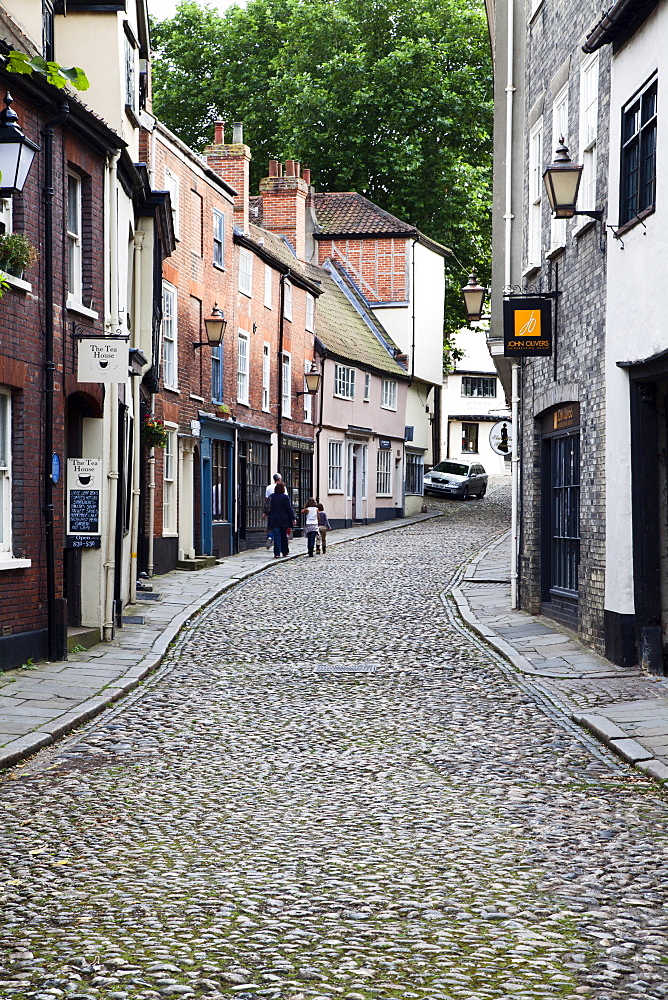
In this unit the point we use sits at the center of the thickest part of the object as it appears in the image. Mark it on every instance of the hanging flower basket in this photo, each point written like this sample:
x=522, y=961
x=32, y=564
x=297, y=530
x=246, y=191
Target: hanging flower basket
x=153, y=433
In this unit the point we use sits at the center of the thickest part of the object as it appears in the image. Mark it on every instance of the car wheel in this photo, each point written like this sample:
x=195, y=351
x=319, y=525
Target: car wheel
x=482, y=491
x=465, y=493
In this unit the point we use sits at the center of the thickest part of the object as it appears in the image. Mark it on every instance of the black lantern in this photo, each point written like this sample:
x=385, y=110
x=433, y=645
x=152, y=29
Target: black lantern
x=474, y=298
x=215, y=326
x=16, y=152
x=312, y=379
x=562, y=183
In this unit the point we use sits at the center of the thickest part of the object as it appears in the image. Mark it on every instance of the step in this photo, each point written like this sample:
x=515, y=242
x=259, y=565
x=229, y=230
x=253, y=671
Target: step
x=199, y=562
x=78, y=635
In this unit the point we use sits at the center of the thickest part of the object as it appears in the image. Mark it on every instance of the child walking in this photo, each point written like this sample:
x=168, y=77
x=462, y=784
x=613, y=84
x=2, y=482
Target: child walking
x=323, y=527
x=311, y=524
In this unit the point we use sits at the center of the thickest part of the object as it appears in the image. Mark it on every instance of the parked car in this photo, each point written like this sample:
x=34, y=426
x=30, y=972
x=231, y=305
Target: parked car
x=457, y=479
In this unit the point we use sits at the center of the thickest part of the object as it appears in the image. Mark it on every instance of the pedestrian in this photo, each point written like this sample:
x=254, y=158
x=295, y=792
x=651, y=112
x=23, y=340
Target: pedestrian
x=277, y=478
x=311, y=525
x=323, y=527
x=280, y=519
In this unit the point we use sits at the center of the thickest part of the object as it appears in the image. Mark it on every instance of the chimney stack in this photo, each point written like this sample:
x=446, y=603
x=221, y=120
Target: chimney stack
x=231, y=161
x=284, y=204
x=306, y=176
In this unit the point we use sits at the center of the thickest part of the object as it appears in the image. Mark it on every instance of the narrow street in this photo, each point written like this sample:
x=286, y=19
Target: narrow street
x=332, y=789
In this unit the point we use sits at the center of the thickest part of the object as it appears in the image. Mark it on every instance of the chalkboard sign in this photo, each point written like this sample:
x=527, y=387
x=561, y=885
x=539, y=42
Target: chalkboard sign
x=82, y=542
x=84, y=511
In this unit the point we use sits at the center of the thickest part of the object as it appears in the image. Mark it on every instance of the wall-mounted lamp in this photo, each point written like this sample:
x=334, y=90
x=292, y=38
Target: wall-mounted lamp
x=312, y=379
x=215, y=326
x=16, y=151
x=562, y=183
x=474, y=298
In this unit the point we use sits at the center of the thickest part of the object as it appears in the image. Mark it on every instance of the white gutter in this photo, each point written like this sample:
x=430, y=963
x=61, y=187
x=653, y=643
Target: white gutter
x=136, y=407
x=112, y=324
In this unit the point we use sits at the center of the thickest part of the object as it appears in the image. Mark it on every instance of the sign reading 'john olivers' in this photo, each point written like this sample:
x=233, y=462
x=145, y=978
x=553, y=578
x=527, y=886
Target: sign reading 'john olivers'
x=527, y=327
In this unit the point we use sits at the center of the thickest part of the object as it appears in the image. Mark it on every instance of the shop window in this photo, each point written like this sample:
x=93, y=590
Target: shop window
x=220, y=480
x=414, y=474
x=470, y=438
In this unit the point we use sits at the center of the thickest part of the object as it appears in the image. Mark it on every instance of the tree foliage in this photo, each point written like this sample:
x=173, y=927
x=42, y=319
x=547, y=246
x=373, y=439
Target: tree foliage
x=391, y=98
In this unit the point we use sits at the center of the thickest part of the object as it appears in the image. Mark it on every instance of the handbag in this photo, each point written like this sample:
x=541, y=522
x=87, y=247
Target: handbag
x=267, y=506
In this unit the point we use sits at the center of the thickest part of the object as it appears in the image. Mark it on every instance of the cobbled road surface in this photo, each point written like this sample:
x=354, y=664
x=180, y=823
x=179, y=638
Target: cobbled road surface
x=332, y=789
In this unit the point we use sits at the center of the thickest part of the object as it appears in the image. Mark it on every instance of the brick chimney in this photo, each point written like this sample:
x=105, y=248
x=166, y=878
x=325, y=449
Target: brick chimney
x=231, y=161
x=284, y=194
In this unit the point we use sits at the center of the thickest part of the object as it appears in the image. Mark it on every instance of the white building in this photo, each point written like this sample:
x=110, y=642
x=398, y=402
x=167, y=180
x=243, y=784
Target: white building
x=473, y=404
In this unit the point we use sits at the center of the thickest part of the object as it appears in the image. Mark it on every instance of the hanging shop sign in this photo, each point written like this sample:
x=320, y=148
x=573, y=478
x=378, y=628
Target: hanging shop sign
x=500, y=436
x=84, y=484
x=527, y=327
x=102, y=360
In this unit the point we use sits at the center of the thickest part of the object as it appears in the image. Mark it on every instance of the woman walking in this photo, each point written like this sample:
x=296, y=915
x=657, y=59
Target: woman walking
x=311, y=526
x=281, y=518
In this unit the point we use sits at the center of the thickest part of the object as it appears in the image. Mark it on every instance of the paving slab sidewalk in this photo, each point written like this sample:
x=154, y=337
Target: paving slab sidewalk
x=624, y=707
x=41, y=704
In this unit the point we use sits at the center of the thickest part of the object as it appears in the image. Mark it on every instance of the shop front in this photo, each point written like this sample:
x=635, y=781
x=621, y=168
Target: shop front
x=253, y=475
x=561, y=513
x=297, y=471
x=217, y=487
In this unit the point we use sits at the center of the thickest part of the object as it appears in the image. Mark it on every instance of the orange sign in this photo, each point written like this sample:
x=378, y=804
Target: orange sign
x=527, y=322
x=527, y=326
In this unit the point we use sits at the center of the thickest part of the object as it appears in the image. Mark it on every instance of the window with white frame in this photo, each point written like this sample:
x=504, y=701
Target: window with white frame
x=335, y=465
x=308, y=399
x=218, y=238
x=286, y=395
x=172, y=185
x=559, y=132
x=388, y=399
x=6, y=215
x=169, y=336
x=310, y=312
x=169, y=456
x=74, y=252
x=287, y=300
x=266, y=375
x=268, y=285
x=217, y=373
x=130, y=76
x=246, y=272
x=479, y=385
x=242, y=367
x=5, y=473
x=367, y=387
x=384, y=472
x=588, y=132
x=344, y=381
x=535, y=192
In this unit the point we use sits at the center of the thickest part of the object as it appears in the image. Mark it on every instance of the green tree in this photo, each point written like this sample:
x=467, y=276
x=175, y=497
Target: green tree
x=391, y=98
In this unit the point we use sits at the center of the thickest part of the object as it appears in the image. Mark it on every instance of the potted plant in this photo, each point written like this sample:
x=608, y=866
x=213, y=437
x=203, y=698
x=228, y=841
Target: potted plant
x=223, y=410
x=153, y=433
x=17, y=253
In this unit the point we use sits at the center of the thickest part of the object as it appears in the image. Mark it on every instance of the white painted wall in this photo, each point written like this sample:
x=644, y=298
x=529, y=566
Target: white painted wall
x=636, y=326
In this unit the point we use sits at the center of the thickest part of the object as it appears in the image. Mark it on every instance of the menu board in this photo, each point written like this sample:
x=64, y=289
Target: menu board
x=84, y=477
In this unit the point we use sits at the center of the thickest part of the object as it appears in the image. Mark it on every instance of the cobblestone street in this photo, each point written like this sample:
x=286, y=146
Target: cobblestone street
x=331, y=788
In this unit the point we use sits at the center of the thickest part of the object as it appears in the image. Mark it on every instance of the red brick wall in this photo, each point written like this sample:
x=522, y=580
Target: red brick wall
x=284, y=210
x=379, y=266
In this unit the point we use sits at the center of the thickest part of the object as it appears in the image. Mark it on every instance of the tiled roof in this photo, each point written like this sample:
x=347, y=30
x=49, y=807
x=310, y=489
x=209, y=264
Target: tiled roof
x=346, y=212
x=255, y=207
x=345, y=334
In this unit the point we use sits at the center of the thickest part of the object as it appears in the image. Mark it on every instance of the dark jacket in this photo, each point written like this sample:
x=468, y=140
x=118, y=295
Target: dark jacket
x=281, y=514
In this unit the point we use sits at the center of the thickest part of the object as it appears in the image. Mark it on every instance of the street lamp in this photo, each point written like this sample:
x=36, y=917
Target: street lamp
x=16, y=151
x=562, y=183
x=215, y=326
x=312, y=379
x=474, y=297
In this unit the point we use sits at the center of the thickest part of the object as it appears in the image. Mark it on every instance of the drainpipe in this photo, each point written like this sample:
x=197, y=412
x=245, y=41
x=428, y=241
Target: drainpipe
x=319, y=430
x=281, y=325
x=413, y=316
x=515, y=467
x=151, y=501
x=113, y=325
x=136, y=426
x=53, y=630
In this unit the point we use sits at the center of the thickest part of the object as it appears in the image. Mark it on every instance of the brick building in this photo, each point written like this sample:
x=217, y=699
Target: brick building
x=43, y=313
x=547, y=87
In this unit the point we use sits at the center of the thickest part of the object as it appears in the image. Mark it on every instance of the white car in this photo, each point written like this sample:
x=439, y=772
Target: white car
x=457, y=479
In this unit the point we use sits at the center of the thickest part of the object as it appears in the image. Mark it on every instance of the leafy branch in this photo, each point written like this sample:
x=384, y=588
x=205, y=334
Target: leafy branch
x=55, y=74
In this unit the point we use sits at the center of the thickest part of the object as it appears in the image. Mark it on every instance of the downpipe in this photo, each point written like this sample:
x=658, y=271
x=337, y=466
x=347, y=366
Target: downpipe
x=113, y=323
